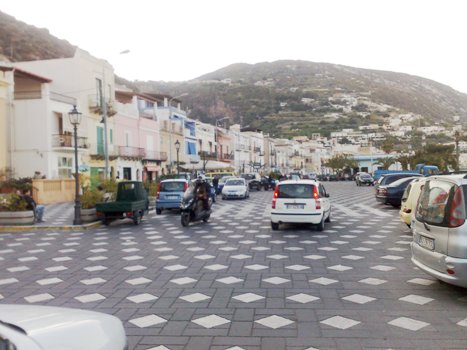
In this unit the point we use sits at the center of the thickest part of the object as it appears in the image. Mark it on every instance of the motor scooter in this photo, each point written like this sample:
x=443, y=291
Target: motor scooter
x=192, y=208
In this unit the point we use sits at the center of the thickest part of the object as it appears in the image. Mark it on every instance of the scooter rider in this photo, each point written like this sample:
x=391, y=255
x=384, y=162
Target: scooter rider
x=202, y=190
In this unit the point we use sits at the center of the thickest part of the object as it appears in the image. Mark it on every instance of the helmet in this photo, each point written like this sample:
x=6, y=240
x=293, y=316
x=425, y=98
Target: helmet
x=201, y=177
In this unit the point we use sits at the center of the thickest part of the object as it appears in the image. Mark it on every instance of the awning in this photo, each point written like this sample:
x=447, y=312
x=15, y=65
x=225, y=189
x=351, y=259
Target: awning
x=210, y=165
x=153, y=168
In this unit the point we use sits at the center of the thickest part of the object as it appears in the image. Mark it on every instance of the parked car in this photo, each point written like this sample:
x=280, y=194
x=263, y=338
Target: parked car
x=409, y=200
x=364, y=179
x=439, y=245
x=268, y=183
x=170, y=194
x=27, y=327
x=333, y=177
x=253, y=180
x=301, y=201
x=388, y=179
x=235, y=188
x=392, y=193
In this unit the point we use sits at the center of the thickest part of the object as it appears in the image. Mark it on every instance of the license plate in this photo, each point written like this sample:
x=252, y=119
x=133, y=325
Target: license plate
x=426, y=242
x=172, y=197
x=295, y=206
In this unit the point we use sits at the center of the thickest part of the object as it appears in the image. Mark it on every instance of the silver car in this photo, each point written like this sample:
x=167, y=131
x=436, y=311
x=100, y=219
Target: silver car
x=439, y=245
x=27, y=327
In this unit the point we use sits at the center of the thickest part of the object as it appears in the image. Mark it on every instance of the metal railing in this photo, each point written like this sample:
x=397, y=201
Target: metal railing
x=133, y=152
x=67, y=140
x=204, y=155
x=155, y=155
x=227, y=156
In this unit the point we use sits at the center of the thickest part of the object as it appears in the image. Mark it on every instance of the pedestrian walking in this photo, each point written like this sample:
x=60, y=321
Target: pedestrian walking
x=215, y=183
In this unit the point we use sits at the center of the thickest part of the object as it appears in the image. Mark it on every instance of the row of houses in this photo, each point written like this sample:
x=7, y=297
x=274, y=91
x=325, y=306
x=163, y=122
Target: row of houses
x=123, y=133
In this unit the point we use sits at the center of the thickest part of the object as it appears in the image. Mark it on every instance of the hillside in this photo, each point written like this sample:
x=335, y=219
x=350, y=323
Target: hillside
x=288, y=98
x=22, y=42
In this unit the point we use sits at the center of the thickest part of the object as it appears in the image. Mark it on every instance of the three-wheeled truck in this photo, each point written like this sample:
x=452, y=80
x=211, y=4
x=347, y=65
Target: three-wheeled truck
x=132, y=203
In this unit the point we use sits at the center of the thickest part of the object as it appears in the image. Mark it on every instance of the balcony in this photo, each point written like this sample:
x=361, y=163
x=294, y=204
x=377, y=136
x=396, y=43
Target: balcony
x=204, y=155
x=193, y=158
x=97, y=151
x=227, y=157
x=95, y=105
x=257, y=149
x=155, y=155
x=131, y=152
x=148, y=113
x=67, y=140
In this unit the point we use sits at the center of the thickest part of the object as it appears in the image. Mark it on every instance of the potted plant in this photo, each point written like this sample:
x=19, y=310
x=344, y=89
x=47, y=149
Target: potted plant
x=89, y=199
x=13, y=211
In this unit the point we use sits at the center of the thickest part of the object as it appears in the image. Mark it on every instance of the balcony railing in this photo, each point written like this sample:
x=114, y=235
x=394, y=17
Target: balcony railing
x=131, y=152
x=67, y=140
x=204, y=155
x=227, y=156
x=193, y=158
x=98, y=150
x=28, y=95
x=155, y=155
x=95, y=105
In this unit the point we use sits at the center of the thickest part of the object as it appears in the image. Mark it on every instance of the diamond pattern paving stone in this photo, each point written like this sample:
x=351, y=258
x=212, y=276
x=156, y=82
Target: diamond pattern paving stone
x=135, y=268
x=256, y=267
x=216, y=267
x=340, y=268
x=340, y=322
x=421, y=281
x=240, y=256
x=136, y=281
x=175, y=267
x=18, y=269
x=358, y=298
x=274, y=322
x=372, y=281
x=211, y=321
x=183, y=280
x=462, y=323
x=314, y=257
x=383, y=268
x=47, y=281
x=408, y=323
x=8, y=281
x=141, y=298
x=276, y=280
x=248, y=297
x=92, y=281
x=39, y=297
x=297, y=267
x=89, y=298
x=204, y=257
x=195, y=297
x=353, y=257
x=324, y=281
x=229, y=280
x=302, y=298
x=147, y=321
x=392, y=257
x=416, y=299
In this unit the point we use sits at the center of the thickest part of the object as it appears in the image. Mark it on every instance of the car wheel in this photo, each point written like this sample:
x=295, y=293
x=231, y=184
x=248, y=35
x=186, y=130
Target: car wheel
x=223, y=197
x=274, y=226
x=137, y=216
x=320, y=226
x=185, y=219
x=158, y=211
x=328, y=219
x=206, y=218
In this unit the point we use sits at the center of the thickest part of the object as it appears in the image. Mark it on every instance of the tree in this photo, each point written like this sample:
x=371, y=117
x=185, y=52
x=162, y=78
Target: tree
x=385, y=162
x=442, y=156
x=388, y=144
x=340, y=162
x=405, y=161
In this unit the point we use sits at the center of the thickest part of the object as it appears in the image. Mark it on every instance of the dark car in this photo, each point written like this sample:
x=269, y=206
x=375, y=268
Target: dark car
x=388, y=179
x=392, y=193
x=364, y=179
x=333, y=177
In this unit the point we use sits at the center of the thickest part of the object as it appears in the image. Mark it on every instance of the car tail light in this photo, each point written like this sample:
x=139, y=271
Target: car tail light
x=318, y=203
x=158, y=191
x=407, y=210
x=457, y=212
x=185, y=186
x=315, y=193
x=276, y=194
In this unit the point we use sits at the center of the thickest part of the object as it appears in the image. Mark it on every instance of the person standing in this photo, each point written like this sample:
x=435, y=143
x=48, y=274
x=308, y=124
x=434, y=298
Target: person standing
x=215, y=183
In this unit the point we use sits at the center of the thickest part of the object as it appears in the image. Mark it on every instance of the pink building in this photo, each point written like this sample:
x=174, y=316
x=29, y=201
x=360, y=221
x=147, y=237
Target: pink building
x=137, y=139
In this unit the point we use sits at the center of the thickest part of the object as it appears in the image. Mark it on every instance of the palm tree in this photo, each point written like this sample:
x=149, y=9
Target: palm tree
x=385, y=162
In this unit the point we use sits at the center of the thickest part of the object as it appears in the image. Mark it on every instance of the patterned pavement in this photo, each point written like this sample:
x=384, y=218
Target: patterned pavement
x=235, y=284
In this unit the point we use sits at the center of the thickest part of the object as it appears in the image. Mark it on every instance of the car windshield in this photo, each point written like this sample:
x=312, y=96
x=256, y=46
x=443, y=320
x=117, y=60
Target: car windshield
x=224, y=179
x=404, y=180
x=365, y=176
x=235, y=182
x=173, y=186
x=247, y=176
x=295, y=191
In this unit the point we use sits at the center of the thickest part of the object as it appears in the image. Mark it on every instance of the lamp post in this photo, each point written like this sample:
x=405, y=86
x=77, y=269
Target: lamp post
x=177, y=147
x=75, y=120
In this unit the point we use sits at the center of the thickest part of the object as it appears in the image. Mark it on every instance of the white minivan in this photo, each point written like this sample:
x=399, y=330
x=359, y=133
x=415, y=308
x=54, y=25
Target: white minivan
x=439, y=245
x=300, y=201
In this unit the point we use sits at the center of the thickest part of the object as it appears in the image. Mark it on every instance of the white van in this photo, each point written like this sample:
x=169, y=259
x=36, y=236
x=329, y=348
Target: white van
x=300, y=201
x=439, y=245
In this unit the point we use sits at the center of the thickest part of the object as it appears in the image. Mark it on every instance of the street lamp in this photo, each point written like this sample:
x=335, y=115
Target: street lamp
x=177, y=147
x=75, y=120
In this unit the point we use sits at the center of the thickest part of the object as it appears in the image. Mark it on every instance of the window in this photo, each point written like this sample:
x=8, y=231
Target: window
x=433, y=202
x=176, y=186
x=190, y=148
x=98, y=92
x=65, y=167
x=111, y=136
x=295, y=191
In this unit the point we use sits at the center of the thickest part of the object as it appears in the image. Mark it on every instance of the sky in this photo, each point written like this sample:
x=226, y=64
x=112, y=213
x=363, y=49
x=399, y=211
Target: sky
x=177, y=40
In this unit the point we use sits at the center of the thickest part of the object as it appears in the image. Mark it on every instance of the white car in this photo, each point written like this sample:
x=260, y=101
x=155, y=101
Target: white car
x=300, y=201
x=27, y=327
x=235, y=188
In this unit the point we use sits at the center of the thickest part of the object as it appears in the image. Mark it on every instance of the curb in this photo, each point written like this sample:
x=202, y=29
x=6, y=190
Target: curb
x=29, y=228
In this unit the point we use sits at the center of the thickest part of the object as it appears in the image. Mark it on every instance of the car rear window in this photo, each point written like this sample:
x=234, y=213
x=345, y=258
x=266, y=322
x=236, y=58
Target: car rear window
x=433, y=202
x=233, y=182
x=176, y=186
x=295, y=191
